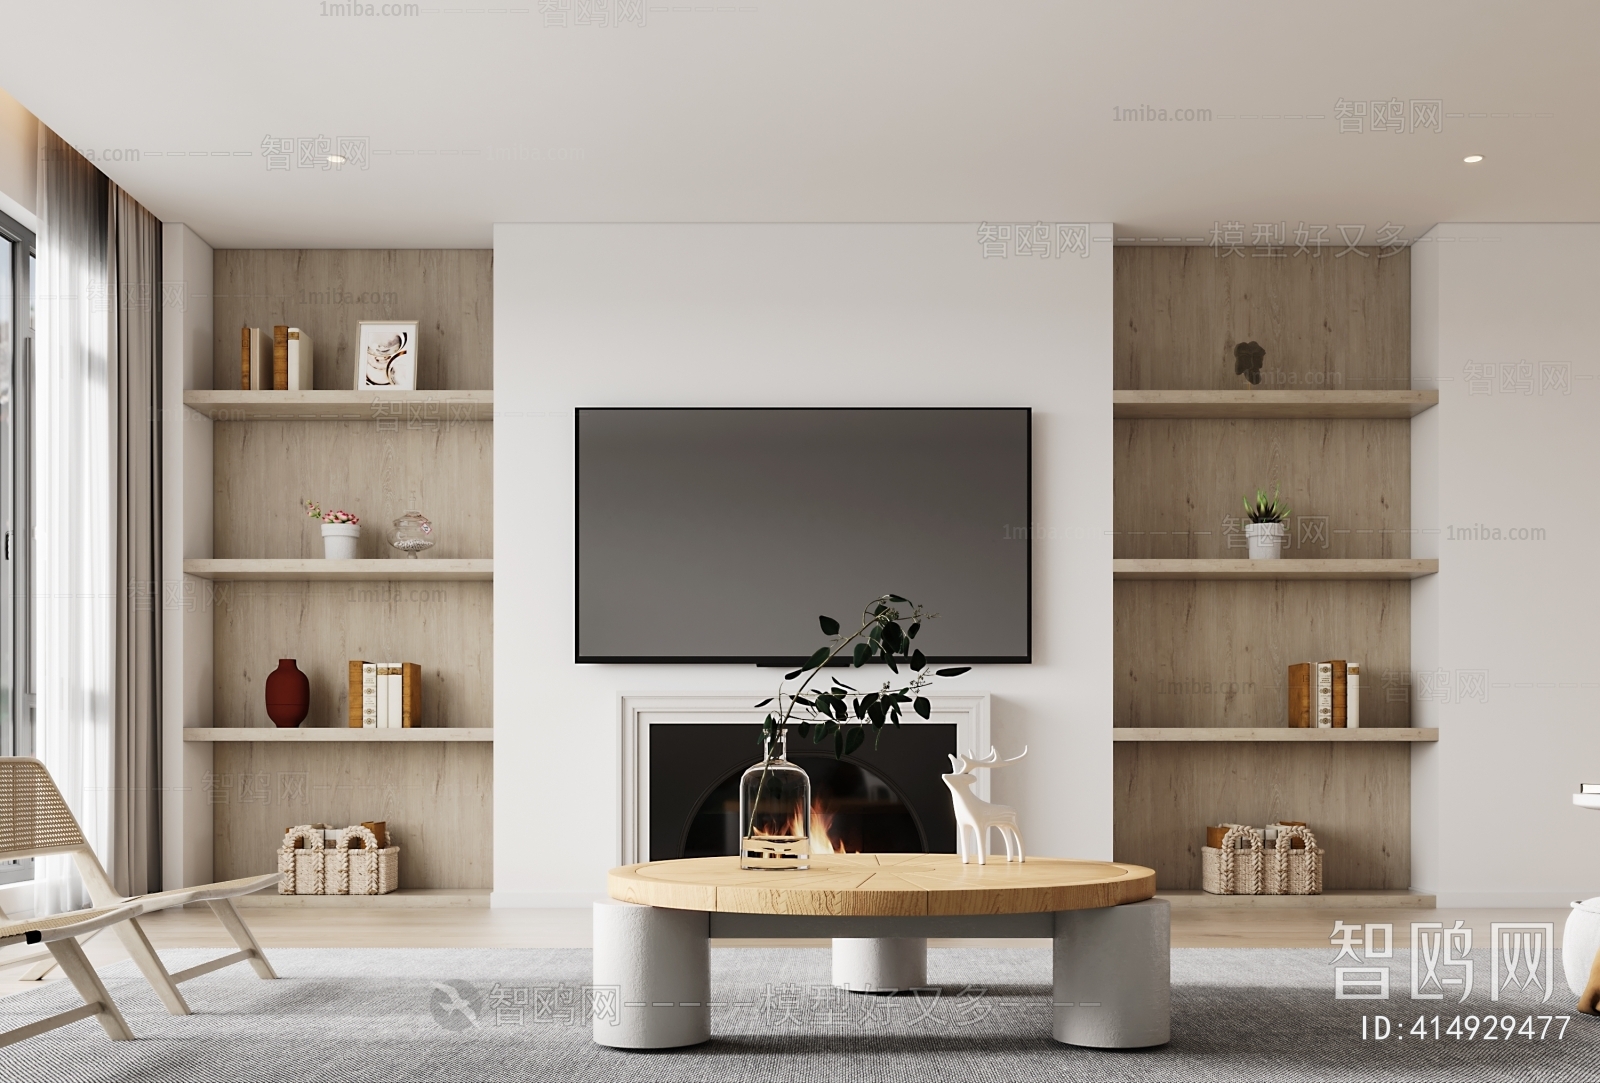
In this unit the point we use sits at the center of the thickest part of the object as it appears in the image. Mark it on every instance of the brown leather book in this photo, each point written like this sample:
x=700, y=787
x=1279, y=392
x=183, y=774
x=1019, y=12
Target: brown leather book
x=280, y=357
x=244, y=359
x=355, y=694
x=1300, y=695
x=410, y=694
x=1340, y=702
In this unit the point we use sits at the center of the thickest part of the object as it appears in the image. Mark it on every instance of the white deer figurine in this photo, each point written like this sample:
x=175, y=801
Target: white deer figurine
x=979, y=815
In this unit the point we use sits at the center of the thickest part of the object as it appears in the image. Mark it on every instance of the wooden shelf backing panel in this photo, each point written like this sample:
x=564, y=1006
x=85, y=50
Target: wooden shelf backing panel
x=1356, y=797
x=1328, y=900
x=1204, y=653
x=425, y=569
x=1287, y=569
x=1282, y=734
x=400, y=408
x=1343, y=405
x=1325, y=323
x=405, y=899
x=263, y=472
x=447, y=628
x=438, y=800
x=1180, y=486
x=346, y=734
x=325, y=291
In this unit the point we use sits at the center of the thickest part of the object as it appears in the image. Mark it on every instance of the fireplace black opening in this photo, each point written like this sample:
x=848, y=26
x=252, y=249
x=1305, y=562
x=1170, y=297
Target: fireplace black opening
x=888, y=799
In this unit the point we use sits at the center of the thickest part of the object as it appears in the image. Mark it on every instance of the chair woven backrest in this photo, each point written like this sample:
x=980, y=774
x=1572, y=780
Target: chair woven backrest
x=33, y=816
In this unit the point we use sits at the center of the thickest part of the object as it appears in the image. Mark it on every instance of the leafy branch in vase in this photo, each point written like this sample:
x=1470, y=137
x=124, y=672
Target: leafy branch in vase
x=840, y=711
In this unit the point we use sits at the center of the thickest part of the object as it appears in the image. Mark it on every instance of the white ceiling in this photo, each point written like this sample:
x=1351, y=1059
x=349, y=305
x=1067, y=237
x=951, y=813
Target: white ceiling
x=818, y=110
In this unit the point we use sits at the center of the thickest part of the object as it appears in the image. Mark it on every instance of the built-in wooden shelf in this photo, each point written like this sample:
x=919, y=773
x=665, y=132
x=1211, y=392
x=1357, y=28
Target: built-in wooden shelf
x=273, y=734
x=1274, y=733
x=407, y=898
x=321, y=571
x=1356, y=899
x=407, y=407
x=1271, y=404
x=1122, y=568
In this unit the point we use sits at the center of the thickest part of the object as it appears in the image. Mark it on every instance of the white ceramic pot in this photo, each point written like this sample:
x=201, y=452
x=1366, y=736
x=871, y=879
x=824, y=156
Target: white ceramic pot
x=339, y=540
x=1579, y=942
x=1266, y=539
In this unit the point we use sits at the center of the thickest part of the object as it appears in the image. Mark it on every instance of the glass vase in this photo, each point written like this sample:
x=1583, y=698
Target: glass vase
x=775, y=810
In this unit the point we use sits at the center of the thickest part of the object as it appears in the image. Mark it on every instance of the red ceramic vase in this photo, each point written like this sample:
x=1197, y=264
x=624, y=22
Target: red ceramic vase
x=288, y=695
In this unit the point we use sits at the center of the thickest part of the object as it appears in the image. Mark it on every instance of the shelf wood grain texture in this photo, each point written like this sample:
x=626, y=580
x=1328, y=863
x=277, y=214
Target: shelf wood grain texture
x=1371, y=569
x=1338, y=325
x=348, y=734
x=326, y=291
x=1202, y=637
x=379, y=409
x=1283, y=734
x=273, y=596
x=314, y=570
x=1341, y=405
x=438, y=799
x=1355, y=795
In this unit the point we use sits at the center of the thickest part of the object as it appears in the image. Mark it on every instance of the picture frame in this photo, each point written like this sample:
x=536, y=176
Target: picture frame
x=386, y=355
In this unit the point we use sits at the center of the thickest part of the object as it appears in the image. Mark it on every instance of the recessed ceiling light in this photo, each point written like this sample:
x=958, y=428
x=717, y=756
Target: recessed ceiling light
x=1473, y=158
x=338, y=159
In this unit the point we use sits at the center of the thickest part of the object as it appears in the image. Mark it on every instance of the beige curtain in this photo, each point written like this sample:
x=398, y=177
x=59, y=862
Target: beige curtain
x=134, y=264
x=97, y=496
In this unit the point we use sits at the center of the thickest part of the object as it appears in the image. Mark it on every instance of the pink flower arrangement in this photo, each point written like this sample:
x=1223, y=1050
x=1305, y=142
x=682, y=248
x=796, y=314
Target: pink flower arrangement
x=314, y=510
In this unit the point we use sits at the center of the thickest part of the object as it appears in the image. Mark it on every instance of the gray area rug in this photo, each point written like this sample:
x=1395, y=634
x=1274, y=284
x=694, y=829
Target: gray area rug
x=403, y=1015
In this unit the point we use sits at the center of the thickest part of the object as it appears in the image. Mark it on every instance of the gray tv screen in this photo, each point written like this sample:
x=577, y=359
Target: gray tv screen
x=720, y=535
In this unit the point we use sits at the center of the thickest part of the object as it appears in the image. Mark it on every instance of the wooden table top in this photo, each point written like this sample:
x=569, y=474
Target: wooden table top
x=883, y=885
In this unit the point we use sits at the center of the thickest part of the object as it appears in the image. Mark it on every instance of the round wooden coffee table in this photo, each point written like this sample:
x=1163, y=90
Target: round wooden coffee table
x=883, y=885
x=652, y=944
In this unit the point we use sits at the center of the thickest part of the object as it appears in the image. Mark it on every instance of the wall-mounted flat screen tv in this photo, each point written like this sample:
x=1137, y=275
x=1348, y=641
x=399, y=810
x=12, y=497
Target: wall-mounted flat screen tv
x=720, y=535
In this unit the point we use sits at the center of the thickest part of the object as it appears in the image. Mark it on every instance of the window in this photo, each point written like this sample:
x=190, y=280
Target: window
x=16, y=463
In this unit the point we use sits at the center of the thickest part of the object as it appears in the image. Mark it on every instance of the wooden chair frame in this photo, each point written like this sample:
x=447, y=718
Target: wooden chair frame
x=59, y=934
x=35, y=821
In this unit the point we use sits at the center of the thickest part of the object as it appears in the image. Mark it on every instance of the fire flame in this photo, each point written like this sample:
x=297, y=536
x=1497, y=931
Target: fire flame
x=821, y=842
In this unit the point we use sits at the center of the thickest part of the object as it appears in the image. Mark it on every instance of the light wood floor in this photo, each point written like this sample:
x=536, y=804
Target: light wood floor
x=482, y=928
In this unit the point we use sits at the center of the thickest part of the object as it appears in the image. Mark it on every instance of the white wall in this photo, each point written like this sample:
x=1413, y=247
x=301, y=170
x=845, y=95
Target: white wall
x=786, y=315
x=1493, y=823
x=186, y=825
x=19, y=161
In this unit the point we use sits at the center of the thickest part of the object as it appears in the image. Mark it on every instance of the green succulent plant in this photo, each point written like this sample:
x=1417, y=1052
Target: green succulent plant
x=1266, y=509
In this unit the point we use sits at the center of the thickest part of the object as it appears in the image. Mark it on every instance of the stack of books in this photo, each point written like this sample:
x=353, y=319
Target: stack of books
x=1326, y=695
x=279, y=361
x=385, y=695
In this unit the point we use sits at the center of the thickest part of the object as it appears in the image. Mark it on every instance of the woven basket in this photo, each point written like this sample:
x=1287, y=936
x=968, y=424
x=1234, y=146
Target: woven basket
x=367, y=871
x=1228, y=870
x=1290, y=871
x=302, y=862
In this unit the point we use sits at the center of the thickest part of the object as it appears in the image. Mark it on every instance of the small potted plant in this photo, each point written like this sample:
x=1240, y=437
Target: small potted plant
x=340, y=531
x=1267, y=532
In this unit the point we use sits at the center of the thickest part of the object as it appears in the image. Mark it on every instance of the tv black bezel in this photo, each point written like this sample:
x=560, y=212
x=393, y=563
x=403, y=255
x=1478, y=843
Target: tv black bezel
x=770, y=660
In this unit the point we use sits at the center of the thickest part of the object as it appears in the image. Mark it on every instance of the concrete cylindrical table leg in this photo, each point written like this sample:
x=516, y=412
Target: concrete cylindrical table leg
x=1113, y=976
x=887, y=964
x=652, y=976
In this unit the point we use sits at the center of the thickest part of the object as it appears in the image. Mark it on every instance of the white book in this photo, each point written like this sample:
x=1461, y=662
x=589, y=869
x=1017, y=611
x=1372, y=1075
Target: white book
x=299, y=364
x=259, y=348
x=1324, y=695
x=1589, y=788
x=395, y=703
x=369, y=695
x=1352, y=695
x=382, y=721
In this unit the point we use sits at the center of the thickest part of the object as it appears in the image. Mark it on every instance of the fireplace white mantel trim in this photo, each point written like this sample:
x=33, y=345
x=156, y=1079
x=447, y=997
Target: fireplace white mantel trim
x=638, y=711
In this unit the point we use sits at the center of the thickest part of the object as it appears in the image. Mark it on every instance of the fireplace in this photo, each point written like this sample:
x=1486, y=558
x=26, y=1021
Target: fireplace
x=887, y=799
x=683, y=756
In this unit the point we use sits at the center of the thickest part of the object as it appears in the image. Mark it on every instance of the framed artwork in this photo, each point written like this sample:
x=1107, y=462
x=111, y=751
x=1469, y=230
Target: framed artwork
x=386, y=355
